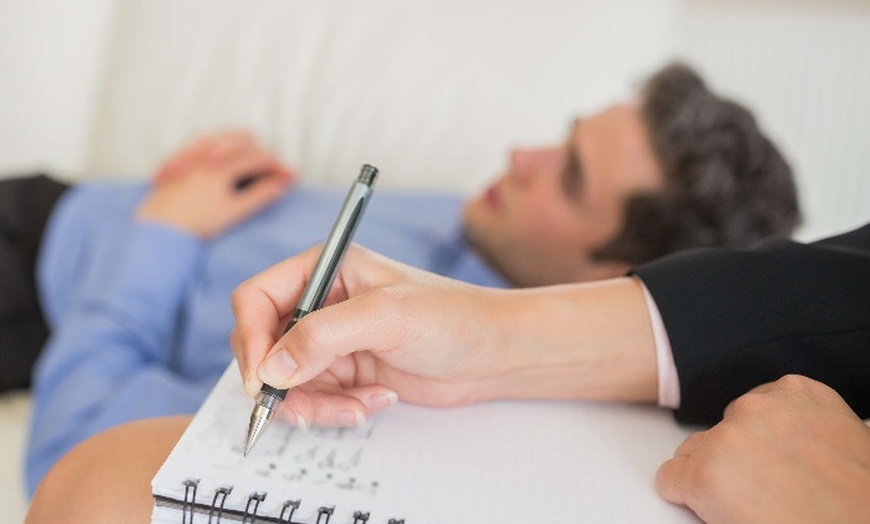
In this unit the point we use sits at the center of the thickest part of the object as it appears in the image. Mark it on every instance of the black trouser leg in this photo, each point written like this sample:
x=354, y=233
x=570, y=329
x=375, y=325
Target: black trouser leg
x=25, y=206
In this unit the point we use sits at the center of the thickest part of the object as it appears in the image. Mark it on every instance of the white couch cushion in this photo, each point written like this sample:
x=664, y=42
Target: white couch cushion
x=431, y=92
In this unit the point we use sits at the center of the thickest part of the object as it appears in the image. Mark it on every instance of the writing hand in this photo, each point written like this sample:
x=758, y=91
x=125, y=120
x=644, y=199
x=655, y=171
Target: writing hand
x=389, y=329
x=789, y=451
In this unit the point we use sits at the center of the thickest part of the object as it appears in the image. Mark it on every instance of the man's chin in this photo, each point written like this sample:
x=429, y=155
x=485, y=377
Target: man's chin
x=472, y=212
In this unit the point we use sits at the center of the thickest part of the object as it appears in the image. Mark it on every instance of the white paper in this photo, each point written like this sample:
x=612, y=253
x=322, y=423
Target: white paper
x=501, y=462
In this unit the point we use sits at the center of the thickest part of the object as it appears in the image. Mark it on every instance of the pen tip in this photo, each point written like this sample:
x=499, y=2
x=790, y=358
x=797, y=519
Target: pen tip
x=255, y=429
x=264, y=407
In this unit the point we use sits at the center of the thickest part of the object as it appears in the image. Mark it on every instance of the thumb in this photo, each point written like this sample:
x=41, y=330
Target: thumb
x=369, y=322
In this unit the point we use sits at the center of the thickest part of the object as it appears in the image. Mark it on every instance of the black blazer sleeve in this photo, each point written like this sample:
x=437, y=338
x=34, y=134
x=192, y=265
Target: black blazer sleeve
x=737, y=319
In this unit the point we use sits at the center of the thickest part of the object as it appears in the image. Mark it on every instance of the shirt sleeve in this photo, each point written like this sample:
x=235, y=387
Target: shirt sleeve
x=114, y=349
x=740, y=318
x=669, y=381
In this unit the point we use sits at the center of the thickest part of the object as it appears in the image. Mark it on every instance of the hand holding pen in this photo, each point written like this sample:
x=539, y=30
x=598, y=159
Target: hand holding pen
x=393, y=332
x=318, y=287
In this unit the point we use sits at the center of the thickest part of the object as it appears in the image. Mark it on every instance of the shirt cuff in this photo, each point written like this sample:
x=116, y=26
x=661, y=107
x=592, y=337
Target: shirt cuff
x=669, y=381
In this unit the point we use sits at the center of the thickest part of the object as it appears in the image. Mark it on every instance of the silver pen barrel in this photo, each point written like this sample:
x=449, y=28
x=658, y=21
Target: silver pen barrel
x=318, y=287
x=339, y=237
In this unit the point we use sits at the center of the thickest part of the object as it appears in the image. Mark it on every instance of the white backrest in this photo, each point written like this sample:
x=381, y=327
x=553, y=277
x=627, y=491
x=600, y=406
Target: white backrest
x=433, y=93
x=51, y=62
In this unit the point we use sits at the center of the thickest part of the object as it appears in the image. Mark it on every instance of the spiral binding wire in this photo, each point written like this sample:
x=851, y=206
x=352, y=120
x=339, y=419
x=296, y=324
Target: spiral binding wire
x=220, y=493
x=190, y=486
x=217, y=509
x=251, y=512
x=292, y=505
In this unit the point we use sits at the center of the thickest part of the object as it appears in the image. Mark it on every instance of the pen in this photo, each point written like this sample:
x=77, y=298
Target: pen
x=315, y=293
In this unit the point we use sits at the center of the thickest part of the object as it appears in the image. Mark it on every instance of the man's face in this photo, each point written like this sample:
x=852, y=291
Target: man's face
x=539, y=223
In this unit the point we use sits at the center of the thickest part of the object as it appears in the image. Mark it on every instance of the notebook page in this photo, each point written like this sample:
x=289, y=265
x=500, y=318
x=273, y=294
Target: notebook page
x=495, y=462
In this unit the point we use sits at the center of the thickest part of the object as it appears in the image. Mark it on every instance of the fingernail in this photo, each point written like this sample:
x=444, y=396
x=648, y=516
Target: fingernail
x=381, y=400
x=300, y=422
x=278, y=367
x=252, y=385
x=349, y=419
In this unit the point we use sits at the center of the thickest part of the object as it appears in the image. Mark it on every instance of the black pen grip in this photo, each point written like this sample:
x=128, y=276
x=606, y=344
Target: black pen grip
x=281, y=393
x=277, y=393
x=298, y=314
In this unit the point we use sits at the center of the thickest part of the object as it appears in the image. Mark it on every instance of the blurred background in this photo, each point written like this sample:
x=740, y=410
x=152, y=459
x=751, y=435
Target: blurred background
x=433, y=93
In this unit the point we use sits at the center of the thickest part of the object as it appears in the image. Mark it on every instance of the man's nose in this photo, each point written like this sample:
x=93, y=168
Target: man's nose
x=523, y=161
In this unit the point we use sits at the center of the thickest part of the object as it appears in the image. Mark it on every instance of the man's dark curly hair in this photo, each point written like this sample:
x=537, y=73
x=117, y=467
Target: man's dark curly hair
x=726, y=184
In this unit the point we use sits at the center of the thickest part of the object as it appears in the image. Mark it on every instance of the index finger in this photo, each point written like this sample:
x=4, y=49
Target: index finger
x=259, y=304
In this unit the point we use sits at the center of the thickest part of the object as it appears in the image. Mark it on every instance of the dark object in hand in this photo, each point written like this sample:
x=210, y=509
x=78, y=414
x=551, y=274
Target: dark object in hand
x=246, y=180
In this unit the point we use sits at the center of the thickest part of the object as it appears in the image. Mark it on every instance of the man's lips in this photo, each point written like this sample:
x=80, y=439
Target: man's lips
x=492, y=197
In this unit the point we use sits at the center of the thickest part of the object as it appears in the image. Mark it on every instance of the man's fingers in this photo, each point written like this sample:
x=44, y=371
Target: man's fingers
x=253, y=161
x=180, y=162
x=256, y=179
x=227, y=145
x=195, y=151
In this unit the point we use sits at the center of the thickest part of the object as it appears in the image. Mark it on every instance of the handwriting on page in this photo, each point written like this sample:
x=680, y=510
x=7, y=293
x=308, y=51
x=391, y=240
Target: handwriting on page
x=317, y=457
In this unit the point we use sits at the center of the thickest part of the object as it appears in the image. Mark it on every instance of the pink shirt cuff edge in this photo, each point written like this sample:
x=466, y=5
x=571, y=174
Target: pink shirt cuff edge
x=669, y=381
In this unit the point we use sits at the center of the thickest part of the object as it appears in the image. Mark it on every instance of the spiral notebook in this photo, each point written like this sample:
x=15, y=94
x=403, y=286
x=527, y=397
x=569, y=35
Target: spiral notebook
x=498, y=462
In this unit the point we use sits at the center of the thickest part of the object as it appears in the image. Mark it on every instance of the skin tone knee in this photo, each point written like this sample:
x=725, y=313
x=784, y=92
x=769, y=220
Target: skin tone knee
x=107, y=478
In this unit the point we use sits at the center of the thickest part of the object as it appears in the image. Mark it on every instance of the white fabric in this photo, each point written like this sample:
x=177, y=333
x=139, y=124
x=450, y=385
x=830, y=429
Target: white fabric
x=431, y=92
x=51, y=59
